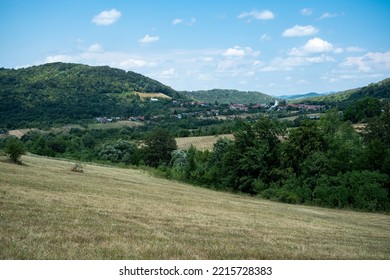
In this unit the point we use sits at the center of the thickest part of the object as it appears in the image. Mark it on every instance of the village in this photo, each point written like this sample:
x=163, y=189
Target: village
x=183, y=109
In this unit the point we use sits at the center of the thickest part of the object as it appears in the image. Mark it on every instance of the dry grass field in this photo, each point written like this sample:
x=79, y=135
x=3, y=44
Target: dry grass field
x=50, y=212
x=201, y=143
x=153, y=95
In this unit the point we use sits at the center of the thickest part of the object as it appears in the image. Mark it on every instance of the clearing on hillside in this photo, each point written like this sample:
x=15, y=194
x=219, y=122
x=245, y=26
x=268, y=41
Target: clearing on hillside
x=201, y=143
x=153, y=95
x=49, y=212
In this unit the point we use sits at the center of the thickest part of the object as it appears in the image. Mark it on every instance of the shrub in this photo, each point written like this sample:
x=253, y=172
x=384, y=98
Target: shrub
x=14, y=149
x=77, y=167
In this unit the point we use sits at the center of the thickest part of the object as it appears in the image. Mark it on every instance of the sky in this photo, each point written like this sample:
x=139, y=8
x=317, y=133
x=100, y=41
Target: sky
x=276, y=47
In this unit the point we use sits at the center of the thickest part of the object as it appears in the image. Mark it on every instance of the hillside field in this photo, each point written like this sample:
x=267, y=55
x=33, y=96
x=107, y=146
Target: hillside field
x=201, y=143
x=50, y=212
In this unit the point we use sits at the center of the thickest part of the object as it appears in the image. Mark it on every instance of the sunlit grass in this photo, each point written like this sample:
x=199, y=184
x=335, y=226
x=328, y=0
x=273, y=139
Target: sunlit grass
x=201, y=143
x=49, y=212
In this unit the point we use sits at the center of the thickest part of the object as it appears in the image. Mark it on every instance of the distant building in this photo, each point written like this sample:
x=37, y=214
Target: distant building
x=239, y=107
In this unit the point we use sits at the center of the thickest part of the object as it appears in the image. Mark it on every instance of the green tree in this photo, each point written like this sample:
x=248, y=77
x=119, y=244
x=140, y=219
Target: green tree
x=120, y=151
x=252, y=157
x=159, y=145
x=14, y=149
x=301, y=143
x=362, y=109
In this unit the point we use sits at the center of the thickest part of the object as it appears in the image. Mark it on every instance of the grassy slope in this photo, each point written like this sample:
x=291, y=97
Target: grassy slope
x=201, y=143
x=49, y=212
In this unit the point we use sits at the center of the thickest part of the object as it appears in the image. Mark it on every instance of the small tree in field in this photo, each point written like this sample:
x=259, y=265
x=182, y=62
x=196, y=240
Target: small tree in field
x=14, y=149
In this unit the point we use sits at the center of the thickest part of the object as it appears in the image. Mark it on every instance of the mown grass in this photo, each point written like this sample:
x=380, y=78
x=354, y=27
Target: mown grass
x=49, y=212
x=201, y=143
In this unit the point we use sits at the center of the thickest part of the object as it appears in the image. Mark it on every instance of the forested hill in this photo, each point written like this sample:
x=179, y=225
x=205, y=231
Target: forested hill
x=228, y=96
x=378, y=90
x=68, y=92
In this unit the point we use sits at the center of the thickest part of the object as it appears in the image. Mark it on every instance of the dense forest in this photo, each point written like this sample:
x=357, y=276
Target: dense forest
x=325, y=163
x=68, y=93
x=228, y=96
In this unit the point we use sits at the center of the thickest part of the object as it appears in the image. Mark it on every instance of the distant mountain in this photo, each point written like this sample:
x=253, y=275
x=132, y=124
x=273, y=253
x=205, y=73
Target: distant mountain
x=299, y=96
x=228, y=96
x=66, y=92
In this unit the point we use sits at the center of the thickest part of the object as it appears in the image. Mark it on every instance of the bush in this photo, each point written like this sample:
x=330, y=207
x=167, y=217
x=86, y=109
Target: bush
x=77, y=167
x=14, y=149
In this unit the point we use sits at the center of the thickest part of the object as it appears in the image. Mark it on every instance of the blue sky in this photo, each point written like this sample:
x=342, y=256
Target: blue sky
x=276, y=47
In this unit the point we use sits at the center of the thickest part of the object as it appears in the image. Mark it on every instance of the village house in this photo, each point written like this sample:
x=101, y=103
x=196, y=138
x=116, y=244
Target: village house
x=239, y=107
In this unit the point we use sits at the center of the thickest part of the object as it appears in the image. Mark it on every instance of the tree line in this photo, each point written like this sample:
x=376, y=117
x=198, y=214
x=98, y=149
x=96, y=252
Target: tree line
x=325, y=163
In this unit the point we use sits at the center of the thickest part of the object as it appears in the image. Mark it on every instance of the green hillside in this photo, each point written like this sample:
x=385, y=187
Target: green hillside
x=377, y=90
x=50, y=212
x=65, y=92
x=228, y=96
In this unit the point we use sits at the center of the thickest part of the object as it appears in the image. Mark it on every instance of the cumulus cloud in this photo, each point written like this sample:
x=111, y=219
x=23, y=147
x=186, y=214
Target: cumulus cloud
x=299, y=31
x=314, y=46
x=148, y=39
x=259, y=15
x=107, y=17
x=238, y=52
x=368, y=62
x=306, y=11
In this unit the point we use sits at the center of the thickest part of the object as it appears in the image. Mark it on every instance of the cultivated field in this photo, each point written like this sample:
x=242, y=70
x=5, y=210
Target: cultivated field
x=50, y=212
x=201, y=143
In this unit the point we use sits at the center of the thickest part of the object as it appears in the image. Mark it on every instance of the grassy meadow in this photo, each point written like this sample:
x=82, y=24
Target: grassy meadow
x=49, y=212
x=201, y=143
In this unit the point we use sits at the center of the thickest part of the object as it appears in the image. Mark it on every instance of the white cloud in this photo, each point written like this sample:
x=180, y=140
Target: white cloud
x=326, y=15
x=95, y=48
x=313, y=46
x=107, y=17
x=177, y=21
x=148, y=39
x=120, y=60
x=292, y=62
x=132, y=63
x=60, y=58
x=299, y=31
x=354, y=49
x=259, y=15
x=182, y=21
x=169, y=73
x=306, y=11
x=369, y=62
x=265, y=37
x=238, y=52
